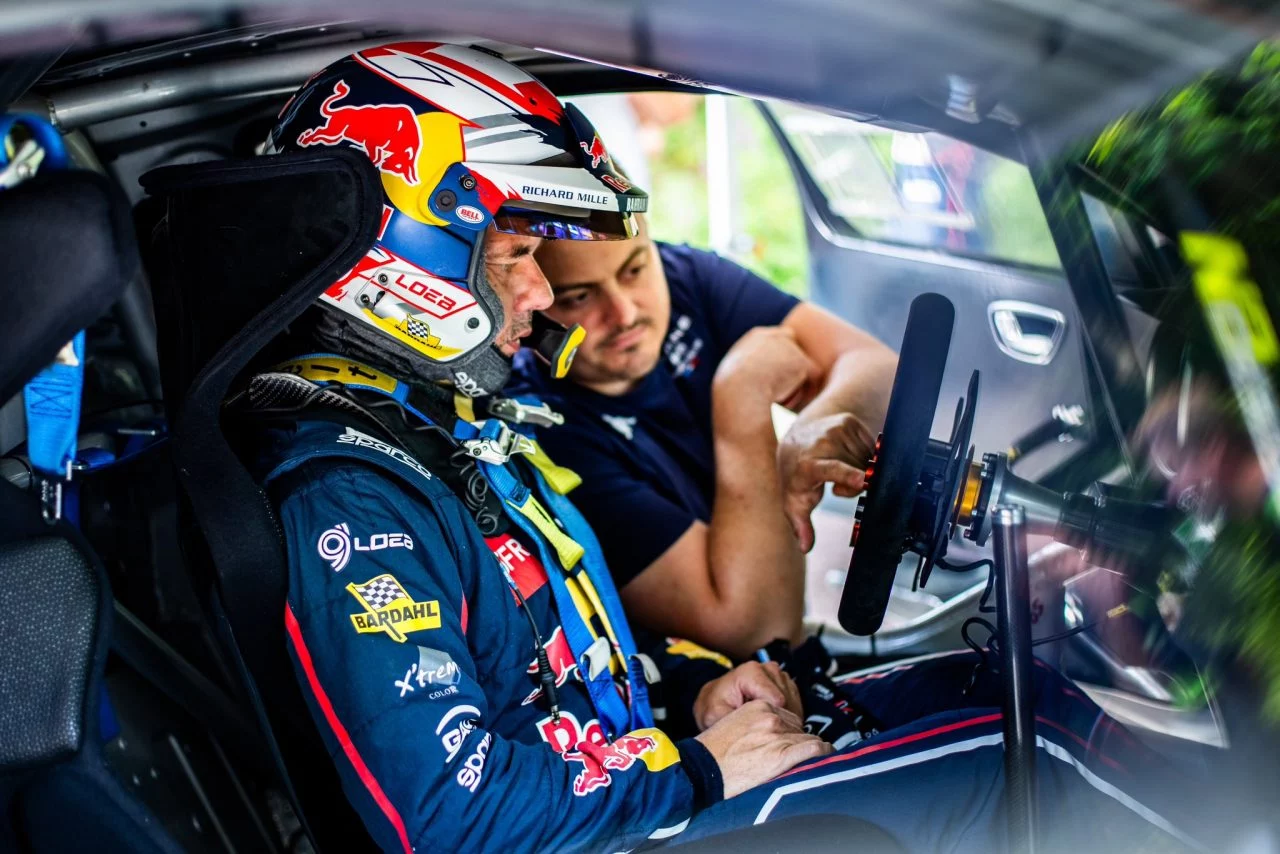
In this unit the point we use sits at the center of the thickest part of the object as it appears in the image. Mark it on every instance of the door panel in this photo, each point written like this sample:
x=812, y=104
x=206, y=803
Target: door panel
x=871, y=285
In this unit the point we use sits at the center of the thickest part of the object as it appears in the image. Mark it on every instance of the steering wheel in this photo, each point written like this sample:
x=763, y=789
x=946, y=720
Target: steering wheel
x=882, y=529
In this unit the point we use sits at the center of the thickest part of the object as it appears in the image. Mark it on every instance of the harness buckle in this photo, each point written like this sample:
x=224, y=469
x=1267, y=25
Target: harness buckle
x=498, y=449
x=51, y=495
x=516, y=412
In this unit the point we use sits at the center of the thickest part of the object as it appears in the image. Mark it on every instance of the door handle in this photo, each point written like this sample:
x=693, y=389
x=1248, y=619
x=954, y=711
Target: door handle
x=1025, y=331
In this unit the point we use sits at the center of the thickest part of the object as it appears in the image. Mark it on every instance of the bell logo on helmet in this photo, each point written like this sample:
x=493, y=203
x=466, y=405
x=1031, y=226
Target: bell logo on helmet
x=466, y=213
x=388, y=133
x=619, y=184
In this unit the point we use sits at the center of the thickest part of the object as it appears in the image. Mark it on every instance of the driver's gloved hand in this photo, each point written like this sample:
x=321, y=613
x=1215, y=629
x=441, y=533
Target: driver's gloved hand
x=829, y=713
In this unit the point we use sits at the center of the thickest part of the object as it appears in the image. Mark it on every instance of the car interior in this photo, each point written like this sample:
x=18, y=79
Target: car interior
x=146, y=698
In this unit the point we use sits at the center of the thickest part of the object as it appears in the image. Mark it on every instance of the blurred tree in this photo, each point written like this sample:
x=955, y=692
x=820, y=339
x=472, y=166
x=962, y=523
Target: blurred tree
x=1209, y=153
x=769, y=217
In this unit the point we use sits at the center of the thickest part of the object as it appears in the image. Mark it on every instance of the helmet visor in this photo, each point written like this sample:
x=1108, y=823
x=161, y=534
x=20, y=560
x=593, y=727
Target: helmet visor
x=564, y=223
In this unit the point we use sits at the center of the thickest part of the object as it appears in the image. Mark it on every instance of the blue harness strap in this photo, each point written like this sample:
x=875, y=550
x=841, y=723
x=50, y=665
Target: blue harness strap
x=52, y=399
x=52, y=404
x=616, y=714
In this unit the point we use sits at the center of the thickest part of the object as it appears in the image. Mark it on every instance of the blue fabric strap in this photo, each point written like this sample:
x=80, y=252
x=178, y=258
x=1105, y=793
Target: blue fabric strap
x=612, y=709
x=52, y=398
x=594, y=566
x=52, y=402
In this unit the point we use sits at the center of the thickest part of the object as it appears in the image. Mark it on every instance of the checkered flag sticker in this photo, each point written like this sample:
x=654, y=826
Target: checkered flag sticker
x=417, y=329
x=379, y=592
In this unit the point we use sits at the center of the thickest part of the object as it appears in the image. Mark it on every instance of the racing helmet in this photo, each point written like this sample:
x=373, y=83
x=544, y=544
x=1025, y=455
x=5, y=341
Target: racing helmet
x=463, y=140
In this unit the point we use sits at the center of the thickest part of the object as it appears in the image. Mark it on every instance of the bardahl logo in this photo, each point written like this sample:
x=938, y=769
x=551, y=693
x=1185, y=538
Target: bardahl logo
x=352, y=436
x=391, y=610
x=337, y=544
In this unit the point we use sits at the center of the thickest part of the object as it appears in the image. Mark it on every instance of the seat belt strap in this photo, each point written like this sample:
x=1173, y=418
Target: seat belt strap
x=52, y=399
x=52, y=404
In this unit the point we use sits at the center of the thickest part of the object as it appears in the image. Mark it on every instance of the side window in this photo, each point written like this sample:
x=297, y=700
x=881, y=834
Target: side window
x=1146, y=272
x=920, y=189
x=716, y=177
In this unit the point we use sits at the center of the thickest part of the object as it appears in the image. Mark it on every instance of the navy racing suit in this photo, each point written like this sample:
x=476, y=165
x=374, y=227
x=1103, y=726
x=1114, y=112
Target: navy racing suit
x=420, y=672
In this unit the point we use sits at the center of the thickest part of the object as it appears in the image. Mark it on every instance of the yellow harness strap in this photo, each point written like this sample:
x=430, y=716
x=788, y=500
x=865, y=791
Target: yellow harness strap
x=567, y=548
x=562, y=480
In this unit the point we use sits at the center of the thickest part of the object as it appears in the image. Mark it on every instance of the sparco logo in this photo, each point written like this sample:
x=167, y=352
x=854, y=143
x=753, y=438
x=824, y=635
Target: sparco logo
x=352, y=436
x=336, y=544
x=466, y=385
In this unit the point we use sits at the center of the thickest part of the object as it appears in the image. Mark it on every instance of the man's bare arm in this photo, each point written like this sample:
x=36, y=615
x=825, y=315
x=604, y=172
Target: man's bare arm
x=737, y=583
x=833, y=436
x=856, y=368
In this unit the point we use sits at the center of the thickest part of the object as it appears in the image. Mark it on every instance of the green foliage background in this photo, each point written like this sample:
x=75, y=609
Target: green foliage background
x=1212, y=150
x=769, y=208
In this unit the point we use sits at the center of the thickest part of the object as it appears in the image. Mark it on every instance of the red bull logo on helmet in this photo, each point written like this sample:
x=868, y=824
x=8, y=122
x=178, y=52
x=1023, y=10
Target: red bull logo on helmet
x=596, y=152
x=388, y=133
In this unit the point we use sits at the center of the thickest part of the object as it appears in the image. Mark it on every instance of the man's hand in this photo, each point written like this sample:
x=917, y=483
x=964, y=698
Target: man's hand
x=767, y=365
x=757, y=742
x=746, y=682
x=832, y=449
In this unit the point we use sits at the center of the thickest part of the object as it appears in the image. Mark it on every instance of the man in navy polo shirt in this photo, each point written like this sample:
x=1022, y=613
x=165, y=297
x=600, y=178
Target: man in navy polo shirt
x=702, y=512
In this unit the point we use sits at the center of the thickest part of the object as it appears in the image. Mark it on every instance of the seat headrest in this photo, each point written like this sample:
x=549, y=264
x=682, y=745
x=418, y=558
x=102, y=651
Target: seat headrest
x=67, y=252
x=242, y=248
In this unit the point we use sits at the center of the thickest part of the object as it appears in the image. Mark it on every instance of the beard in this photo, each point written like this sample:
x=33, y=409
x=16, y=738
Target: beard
x=521, y=325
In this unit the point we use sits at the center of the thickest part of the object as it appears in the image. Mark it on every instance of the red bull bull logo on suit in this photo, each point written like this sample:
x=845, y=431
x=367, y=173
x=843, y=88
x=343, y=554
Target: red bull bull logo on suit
x=599, y=760
x=577, y=742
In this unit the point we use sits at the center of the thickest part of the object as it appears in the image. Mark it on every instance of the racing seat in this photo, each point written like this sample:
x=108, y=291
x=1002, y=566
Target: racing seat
x=237, y=251
x=55, y=602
